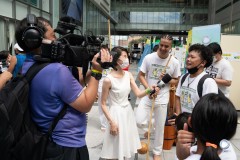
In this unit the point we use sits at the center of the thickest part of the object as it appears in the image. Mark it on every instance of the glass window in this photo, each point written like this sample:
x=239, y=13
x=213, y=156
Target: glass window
x=34, y=2
x=45, y=5
x=155, y=17
x=21, y=10
x=31, y=2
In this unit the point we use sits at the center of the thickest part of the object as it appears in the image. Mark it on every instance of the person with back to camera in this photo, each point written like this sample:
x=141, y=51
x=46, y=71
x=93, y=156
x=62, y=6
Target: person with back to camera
x=17, y=60
x=121, y=138
x=52, y=88
x=214, y=123
x=5, y=74
x=14, y=62
x=220, y=70
x=5, y=61
x=153, y=68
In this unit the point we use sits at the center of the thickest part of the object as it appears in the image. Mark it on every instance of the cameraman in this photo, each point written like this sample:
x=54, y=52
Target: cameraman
x=53, y=87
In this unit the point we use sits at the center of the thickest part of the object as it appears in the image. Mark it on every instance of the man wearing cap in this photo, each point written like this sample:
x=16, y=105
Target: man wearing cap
x=17, y=49
x=17, y=61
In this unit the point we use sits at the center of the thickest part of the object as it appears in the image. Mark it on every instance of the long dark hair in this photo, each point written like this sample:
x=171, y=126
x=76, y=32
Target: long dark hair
x=213, y=118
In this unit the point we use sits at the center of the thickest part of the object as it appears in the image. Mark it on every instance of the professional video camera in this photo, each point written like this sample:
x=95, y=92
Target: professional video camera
x=71, y=49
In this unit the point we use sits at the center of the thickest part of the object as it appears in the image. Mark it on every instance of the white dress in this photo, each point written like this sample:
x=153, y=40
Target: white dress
x=126, y=143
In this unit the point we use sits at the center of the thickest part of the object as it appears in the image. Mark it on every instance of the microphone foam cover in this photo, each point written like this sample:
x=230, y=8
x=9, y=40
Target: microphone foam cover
x=166, y=78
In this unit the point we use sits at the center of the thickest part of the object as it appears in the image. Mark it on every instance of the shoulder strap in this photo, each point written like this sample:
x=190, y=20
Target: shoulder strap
x=34, y=69
x=200, y=84
x=183, y=78
x=164, y=69
x=56, y=119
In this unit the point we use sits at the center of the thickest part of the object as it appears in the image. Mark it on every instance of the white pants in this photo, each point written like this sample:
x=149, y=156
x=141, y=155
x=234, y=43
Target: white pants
x=102, y=117
x=143, y=116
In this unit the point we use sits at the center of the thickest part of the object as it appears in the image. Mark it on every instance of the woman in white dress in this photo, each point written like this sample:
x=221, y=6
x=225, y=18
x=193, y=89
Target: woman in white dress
x=121, y=138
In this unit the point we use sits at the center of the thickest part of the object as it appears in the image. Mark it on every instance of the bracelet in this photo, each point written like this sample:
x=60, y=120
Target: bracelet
x=148, y=91
x=96, y=71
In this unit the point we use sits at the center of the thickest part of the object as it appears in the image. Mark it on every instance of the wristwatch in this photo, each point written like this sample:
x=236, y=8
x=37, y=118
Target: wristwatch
x=96, y=75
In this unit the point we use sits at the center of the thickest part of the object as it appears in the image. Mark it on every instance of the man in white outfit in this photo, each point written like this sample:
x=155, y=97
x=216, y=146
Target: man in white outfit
x=153, y=68
x=221, y=69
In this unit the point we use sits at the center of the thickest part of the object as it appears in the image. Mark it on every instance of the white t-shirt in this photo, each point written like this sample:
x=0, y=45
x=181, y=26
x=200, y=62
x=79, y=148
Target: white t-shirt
x=188, y=91
x=153, y=66
x=227, y=154
x=222, y=70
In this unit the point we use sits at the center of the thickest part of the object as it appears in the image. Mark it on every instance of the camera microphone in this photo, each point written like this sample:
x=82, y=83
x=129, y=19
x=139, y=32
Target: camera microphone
x=66, y=25
x=161, y=83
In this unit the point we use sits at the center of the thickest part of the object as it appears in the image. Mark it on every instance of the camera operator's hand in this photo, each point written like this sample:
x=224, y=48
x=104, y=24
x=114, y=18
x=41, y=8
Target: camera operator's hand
x=105, y=57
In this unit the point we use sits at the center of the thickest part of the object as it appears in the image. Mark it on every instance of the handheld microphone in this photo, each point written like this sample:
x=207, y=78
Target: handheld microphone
x=161, y=83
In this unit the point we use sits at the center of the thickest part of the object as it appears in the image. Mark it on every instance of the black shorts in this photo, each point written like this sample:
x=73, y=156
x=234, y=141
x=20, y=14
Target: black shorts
x=57, y=152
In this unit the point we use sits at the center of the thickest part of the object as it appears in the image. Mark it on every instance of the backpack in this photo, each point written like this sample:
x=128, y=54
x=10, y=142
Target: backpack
x=200, y=84
x=20, y=138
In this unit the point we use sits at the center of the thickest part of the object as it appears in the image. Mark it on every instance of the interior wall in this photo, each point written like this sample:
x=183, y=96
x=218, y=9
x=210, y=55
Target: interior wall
x=230, y=43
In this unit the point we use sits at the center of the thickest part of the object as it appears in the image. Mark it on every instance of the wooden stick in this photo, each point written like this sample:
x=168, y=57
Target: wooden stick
x=172, y=100
x=150, y=121
x=164, y=69
x=149, y=128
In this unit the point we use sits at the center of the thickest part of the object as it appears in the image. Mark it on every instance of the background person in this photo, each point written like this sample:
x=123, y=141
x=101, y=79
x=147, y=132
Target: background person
x=5, y=74
x=17, y=49
x=18, y=60
x=5, y=58
x=220, y=70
